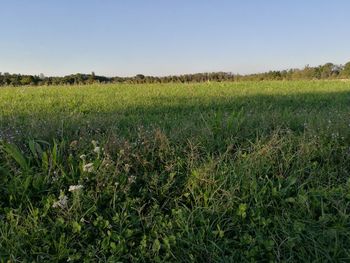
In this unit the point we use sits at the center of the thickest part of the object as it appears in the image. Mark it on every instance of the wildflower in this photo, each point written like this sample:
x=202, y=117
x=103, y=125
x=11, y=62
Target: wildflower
x=132, y=179
x=97, y=149
x=335, y=135
x=94, y=143
x=62, y=201
x=83, y=157
x=73, y=144
x=73, y=188
x=88, y=167
x=55, y=176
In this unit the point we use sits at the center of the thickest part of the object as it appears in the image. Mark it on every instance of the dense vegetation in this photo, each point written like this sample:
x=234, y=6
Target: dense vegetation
x=327, y=71
x=211, y=172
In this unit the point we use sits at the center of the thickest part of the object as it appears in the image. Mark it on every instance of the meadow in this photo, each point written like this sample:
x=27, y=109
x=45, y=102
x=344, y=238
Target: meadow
x=211, y=172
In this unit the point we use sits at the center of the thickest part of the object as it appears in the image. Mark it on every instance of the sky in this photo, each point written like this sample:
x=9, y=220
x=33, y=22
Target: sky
x=166, y=37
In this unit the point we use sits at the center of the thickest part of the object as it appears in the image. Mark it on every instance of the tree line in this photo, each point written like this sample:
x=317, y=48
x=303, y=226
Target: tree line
x=326, y=71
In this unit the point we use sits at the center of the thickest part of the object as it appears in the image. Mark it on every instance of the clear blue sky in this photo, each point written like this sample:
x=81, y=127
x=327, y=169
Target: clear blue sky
x=161, y=37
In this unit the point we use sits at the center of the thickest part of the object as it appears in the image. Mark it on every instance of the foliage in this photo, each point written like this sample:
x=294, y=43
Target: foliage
x=219, y=172
x=327, y=71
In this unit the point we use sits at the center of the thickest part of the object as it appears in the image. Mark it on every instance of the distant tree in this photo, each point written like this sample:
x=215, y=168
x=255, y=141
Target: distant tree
x=27, y=80
x=78, y=78
x=91, y=78
x=139, y=78
x=309, y=73
x=327, y=70
x=345, y=73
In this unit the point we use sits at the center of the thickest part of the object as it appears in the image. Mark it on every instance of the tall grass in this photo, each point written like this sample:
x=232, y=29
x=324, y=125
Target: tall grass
x=220, y=172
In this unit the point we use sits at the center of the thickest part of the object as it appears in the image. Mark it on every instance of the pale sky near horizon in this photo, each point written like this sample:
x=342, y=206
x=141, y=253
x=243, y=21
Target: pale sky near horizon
x=163, y=37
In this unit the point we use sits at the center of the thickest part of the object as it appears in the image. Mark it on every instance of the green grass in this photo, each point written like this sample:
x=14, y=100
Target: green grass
x=219, y=172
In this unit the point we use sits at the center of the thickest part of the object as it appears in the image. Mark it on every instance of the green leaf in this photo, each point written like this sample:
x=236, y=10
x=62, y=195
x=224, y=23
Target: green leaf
x=156, y=246
x=13, y=151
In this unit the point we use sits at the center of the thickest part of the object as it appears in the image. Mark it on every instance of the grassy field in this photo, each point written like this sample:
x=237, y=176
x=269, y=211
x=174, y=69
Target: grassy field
x=215, y=172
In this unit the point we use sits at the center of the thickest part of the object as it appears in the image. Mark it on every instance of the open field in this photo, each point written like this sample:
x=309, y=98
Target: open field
x=215, y=172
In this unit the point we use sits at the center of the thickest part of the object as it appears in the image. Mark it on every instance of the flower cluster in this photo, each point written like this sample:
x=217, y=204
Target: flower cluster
x=74, y=188
x=132, y=179
x=89, y=168
x=97, y=149
x=62, y=201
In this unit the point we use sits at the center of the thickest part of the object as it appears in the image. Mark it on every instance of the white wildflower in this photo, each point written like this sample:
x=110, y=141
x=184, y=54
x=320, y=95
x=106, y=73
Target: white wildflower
x=83, y=157
x=55, y=176
x=73, y=188
x=62, y=201
x=88, y=167
x=335, y=135
x=97, y=149
x=132, y=179
x=94, y=143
